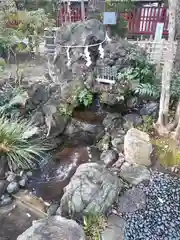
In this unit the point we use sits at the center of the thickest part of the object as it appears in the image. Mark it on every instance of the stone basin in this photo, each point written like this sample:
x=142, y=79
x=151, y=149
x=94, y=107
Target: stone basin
x=49, y=182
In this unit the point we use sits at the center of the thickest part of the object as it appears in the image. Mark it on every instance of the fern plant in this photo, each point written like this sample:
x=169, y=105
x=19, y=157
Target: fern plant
x=147, y=89
x=140, y=75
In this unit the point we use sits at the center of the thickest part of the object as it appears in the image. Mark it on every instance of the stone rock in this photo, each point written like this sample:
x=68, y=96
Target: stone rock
x=92, y=189
x=132, y=200
x=11, y=176
x=78, y=129
x=53, y=228
x=5, y=200
x=134, y=174
x=137, y=147
x=117, y=141
x=38, y=119
x=119, y=162
x=3, y=167
x=115, y=228
x=149, y=109
x=109, y=157
x=13, y=187
x=55, y=123
x=132, y=120
x=3, y=185
x=29, y=174
x=81, y=33
x=105, y=142
x=55, y=174
x=78, y=76
x=132, y=103
x=112, y=121
x=23, y=181
x=52, y=209
x=70, y=91
x=111, y=98
x=38, y=94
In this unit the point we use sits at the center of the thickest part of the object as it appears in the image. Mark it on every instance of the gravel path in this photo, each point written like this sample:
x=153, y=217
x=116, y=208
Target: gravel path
x=160, y=220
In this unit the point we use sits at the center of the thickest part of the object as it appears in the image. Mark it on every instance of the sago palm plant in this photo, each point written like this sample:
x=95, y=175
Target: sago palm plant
x=17, y=145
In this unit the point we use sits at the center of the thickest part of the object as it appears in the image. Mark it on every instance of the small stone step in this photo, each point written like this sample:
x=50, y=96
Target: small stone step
x=32, y=202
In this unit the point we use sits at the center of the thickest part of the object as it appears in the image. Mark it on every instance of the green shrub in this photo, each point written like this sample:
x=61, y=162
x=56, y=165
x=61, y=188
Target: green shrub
x=16, y=143
x=140, y=75
x=147, y=125
x=85, y=97
x=66, y=109
x=93, y=226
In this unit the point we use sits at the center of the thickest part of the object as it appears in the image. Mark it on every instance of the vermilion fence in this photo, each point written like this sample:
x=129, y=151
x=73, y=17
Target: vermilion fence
x=69, y=15
x=141, y=21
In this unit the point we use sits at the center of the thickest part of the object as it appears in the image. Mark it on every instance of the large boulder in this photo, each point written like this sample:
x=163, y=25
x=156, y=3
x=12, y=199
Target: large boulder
x=75, y=34
x=55, y=174
x=137, y=147
x=83, y=130
x=93, y=189
x=53, y=228
x=133, y=173
x=78, y=75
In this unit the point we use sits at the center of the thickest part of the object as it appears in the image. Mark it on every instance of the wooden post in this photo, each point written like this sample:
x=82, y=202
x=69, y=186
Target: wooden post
x=69, y=9
x=82, y=11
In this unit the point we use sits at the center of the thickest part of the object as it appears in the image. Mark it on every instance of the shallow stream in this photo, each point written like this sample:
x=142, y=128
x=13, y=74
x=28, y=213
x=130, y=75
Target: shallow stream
x=49, y=181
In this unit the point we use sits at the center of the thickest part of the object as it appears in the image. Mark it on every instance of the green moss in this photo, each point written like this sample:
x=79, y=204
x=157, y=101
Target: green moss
x=169, y=152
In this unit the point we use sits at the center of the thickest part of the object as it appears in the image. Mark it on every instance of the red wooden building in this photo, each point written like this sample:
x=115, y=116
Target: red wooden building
x=142, y=20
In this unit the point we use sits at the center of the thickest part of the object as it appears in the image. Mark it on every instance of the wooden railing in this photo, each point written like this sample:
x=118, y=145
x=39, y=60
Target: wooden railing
x=141, y=20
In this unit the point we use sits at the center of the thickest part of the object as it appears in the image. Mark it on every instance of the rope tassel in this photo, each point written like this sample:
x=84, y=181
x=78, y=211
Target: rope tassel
x=68, y=56
x=107, y=38
x=101, y=51
x=87, y=57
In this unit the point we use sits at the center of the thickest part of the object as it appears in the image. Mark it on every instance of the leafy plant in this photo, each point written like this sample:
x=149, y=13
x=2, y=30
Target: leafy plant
x=141, y=68
x=120, y=28
x=8, y=35
x=141, y=75
x=33, y=26
x=66, y=109
x=12, y=100
x=147, y=125
x=93, y=226
x=16, y=145
x=85, y=97
x=147, y=89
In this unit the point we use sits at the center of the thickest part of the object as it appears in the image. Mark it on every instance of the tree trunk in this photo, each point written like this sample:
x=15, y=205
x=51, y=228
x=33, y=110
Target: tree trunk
x=173, y=125
x=162, y=122
x=82, y=11
x=177, y=38
x=177, y=131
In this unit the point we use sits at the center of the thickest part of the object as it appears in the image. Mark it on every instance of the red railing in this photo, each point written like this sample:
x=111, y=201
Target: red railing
x=141, y=21
x=73, y=15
